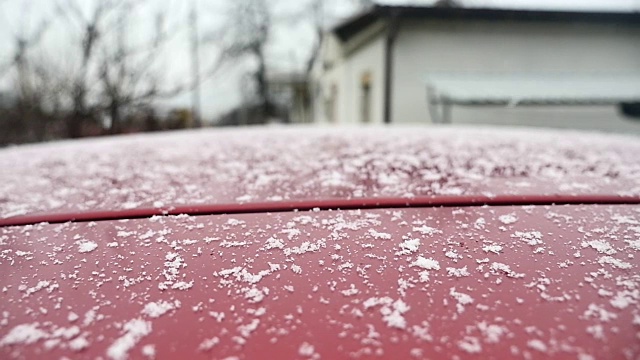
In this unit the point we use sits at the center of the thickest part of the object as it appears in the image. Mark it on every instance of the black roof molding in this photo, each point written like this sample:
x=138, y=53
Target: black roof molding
x=355, y=24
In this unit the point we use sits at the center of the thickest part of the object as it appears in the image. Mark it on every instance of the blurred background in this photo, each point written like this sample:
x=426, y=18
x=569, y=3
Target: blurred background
x=78, y=68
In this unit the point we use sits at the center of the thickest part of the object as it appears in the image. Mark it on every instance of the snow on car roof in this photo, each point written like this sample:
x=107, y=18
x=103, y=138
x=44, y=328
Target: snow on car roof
x=230, y=166
x=513, y=281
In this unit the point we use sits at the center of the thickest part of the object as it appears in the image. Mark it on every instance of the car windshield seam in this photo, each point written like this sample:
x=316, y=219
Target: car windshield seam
x=319, y=205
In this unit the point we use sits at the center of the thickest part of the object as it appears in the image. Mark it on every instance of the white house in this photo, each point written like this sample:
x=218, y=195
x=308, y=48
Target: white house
x=376, y=67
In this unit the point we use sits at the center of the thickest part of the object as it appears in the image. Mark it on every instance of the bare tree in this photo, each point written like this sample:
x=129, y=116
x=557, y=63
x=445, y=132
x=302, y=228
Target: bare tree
x=320, y=14
x=28, y=120
x=116, y=75
x=128, y=76
x=194, y=34
x=23, y=43
x=246, y=35
x=90, y=29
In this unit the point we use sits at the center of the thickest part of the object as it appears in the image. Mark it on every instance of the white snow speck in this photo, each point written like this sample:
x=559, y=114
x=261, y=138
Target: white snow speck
x=219, y=316
x=79, y=343
x=408, y=246
x=496, y=249
x=159, y=308
x=255, y=295
x=634, y=244
x=537, y=345
x=135, y=330
x=492, y=332
x=149, y=351
x=453, y=254
x=182, y=285
x=426, y=230
x=623, y=299
x=306, y=350
x=597, y=312
x=23, y=334
x=601, y=246
x=72, y=317
x=391, y=311
x=296, y=269
x=393, y=316
x=86, y=246
x=429, y=264
x=597, y=331
x=305, y=247
x=42, y=284
x=351, y=291
x=208, y=344
x=461, y=272
x=230, y=244
x=470, y=344
x=614, y=262
x=246, y=329
x=379, y=235
x=461, y=298
x=497, y=267
x=371, y=302
x=532, y=238
x=508, y=219
x=235, y=222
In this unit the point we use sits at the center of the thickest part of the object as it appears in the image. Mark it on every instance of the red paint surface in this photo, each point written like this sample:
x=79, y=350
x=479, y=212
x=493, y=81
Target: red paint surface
x=257, y=167
x=549, y=305
x=573, y=298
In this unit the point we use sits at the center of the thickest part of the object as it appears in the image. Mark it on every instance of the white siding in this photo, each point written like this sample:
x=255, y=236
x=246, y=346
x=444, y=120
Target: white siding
x=505, y=47
x=345, y=75
x=369, y=58
x=323, y=83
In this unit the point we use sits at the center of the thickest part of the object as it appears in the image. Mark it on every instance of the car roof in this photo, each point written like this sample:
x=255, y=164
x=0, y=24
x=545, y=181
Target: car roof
x=323, y=243
x=552, y=282
x=271, y=169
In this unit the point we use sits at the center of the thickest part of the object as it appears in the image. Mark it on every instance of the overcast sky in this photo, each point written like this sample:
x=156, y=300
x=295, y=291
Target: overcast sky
x=288, y=50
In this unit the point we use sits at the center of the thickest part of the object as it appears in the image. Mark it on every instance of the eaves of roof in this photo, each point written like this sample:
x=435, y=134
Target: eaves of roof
x=353, y=25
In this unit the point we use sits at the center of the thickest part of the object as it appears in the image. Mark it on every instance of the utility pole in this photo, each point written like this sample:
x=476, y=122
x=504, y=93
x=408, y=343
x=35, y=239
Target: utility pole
x=195, y=65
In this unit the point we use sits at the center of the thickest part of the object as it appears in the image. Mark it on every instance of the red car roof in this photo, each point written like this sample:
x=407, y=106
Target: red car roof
x=273, y=169
x=376, y=243
x=557, y=282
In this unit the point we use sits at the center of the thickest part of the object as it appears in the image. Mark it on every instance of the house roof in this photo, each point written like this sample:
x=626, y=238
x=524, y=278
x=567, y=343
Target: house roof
x=358, y=22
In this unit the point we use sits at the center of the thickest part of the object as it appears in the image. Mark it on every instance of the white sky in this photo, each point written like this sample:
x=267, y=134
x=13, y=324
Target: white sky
x=289, y=44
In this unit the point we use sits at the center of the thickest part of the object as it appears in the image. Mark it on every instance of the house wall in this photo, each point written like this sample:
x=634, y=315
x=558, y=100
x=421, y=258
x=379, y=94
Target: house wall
x=367, y=60
x=344, y=75
x=424, y=47
x=327, y=86
x=327, y=74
